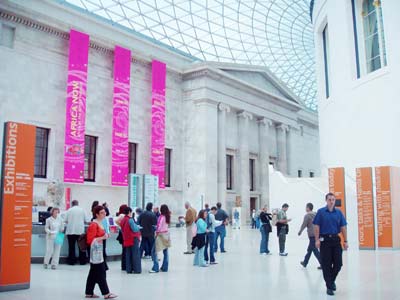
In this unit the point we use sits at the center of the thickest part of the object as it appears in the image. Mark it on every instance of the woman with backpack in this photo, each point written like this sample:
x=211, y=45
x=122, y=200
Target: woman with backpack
x=95, y=236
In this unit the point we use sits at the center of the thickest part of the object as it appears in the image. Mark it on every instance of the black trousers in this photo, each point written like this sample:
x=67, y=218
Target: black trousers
x=331, y=259
x=72, y=241
x=97, y=274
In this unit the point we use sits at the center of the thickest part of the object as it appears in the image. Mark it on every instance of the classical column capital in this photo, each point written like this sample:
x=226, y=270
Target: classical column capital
x=224, y=107
x=283, y=127
x=245, y=115
x=265, y=121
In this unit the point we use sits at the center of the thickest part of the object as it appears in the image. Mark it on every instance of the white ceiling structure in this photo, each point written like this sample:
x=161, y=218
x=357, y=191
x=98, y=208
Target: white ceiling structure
x=276, y=34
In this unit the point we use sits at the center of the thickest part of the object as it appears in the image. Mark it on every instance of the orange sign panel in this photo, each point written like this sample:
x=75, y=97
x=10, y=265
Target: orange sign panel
x=365, y=205
x=336, y=186
x=384, y=207
x=16, y=205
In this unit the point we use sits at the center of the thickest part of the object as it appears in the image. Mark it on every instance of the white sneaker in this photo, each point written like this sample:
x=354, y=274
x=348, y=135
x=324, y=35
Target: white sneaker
x=45, y=266
x=283, y=254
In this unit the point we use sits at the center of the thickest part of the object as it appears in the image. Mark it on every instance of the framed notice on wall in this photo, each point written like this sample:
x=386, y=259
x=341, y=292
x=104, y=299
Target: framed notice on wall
x=16, y=205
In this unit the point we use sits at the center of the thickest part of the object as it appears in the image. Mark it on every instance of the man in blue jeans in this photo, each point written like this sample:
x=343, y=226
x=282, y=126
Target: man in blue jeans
x=210, y=235
x=308, y=222
x=220, y=231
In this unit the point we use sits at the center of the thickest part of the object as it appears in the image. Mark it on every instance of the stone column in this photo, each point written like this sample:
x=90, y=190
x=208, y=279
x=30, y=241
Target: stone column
x=243, y=160
x=264, y=152
x=223, y=110
x=281, y=131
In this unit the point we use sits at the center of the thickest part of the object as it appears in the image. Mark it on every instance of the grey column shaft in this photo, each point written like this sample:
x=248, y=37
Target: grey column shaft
x=244, y=172
x=223, y=110
x=264, y=153
x=282, y=149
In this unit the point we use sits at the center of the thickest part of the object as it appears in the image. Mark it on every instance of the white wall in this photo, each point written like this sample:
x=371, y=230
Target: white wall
x=359, y=121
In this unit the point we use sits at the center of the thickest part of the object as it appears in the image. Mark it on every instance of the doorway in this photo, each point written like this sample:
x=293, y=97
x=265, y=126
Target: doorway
x=253, y=204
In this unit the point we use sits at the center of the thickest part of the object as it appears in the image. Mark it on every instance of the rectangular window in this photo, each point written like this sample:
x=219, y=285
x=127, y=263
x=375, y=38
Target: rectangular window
x=326, y=59
x=41, y=149
x=90, y=158
x=132, y=158
x=311, y=174
x=353, y=10
x=229, y=172
x=299, y=173
x=167, y=174
x=252, y=166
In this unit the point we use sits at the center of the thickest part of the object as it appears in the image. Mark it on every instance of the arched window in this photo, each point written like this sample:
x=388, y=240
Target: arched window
x=374, y=40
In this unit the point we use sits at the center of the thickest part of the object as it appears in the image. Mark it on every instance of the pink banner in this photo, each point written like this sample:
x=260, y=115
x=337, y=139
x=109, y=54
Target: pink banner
x=74, y=149
x=120, y=146
x=158, y=121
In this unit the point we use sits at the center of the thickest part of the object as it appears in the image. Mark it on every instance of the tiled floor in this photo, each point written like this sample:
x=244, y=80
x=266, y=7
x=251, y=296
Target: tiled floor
x=241, y=274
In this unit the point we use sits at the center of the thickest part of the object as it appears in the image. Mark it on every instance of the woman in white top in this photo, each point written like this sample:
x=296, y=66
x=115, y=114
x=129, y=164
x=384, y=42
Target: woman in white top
x=54, y=225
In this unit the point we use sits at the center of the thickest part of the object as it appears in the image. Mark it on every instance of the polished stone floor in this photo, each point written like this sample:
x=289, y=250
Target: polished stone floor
x=241, y=274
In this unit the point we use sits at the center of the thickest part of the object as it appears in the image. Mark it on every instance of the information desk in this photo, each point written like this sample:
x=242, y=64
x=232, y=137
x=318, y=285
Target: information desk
x=38, y=249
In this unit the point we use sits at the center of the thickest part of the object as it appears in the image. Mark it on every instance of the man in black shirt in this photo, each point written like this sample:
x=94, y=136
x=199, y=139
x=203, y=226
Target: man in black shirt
x=148, y=221
x=220, y=231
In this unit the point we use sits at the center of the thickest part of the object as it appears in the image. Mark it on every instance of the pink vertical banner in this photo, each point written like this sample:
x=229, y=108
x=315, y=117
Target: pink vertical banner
x=74, y=149
x=120, y=133
x=158, y=121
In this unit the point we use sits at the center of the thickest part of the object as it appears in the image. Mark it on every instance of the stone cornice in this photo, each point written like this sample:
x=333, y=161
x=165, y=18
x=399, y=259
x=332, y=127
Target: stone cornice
x=13, y=18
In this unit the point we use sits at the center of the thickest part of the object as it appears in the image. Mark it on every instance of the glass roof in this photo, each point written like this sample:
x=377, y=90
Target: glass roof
x=276, y=34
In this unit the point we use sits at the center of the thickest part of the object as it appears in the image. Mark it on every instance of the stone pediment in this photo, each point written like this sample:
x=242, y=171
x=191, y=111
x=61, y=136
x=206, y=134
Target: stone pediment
x=260, y=80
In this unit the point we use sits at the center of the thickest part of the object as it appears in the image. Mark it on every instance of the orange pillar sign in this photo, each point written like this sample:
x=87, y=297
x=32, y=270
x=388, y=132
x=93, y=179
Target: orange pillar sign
x=336, y=186
x=385, y=209
x=365, y=207
x=16, y=205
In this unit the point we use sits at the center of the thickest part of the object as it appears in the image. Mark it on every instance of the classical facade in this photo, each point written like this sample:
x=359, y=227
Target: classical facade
x=226, y=124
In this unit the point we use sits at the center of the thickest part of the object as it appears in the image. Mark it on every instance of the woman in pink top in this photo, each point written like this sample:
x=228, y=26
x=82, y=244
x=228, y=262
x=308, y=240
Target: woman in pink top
x=163, y=241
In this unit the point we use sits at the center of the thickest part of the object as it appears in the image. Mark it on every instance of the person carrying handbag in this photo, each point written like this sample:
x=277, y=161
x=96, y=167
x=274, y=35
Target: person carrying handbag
x=265, y=229
x=97, y=273
x=53, y=228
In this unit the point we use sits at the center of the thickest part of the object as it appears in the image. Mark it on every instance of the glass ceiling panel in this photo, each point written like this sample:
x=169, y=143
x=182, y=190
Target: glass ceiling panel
x=276, y=34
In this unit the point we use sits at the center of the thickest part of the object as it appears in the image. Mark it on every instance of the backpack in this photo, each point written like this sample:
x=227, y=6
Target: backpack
x=82, y=243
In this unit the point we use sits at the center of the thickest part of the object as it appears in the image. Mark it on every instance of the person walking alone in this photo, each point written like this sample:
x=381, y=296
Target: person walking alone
x=328, y=223
x=308, y=223
x=190, y=218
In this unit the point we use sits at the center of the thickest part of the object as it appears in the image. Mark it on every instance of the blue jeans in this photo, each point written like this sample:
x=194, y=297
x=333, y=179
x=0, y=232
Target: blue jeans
x=154, y=256
x=146, y=245
x=312, y=249
x=133, y=261
x=264, y=240
x=220, y=231
x=210, y=240
x=199, y=257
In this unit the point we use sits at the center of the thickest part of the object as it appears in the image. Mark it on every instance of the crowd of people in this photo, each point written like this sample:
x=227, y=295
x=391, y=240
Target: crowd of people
x=147, y=234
